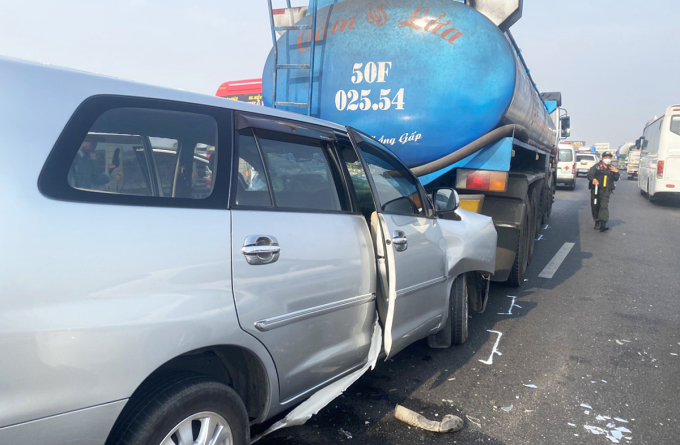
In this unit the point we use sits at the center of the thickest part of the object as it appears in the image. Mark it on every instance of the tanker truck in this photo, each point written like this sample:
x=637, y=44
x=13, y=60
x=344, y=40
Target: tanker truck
x=443, y=85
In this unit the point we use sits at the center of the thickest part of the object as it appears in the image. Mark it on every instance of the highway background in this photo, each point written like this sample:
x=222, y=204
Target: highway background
x=599, y=341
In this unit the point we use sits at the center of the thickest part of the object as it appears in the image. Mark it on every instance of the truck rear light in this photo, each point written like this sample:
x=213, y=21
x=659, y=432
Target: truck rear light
x=659, y=170
x=482, y=180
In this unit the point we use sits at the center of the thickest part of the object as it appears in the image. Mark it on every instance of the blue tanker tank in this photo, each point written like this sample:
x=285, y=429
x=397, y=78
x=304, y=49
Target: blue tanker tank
x=424, y=77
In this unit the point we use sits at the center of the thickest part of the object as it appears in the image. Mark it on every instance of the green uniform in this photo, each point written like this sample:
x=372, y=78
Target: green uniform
x=606, y=178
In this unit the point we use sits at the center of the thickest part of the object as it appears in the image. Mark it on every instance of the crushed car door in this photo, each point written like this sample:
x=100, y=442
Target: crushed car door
x=409, y=247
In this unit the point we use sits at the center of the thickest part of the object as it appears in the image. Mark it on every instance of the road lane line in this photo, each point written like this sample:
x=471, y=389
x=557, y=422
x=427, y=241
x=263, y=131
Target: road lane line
x=556, y=262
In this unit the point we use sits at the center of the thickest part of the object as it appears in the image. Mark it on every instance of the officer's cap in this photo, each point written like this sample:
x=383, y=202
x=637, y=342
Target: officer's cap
x=607, y=154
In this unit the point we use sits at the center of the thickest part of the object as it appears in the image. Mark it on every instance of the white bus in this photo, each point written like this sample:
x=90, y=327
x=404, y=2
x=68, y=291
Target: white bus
x=660, y=155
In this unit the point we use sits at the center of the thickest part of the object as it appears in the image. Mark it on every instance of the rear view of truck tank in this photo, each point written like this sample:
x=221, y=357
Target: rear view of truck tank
x=426, y=78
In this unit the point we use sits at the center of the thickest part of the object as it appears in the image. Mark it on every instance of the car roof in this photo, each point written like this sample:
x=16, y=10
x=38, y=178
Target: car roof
x=84, y=84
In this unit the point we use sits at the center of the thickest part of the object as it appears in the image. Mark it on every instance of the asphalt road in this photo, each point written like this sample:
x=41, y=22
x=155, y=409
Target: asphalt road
x=600, y=342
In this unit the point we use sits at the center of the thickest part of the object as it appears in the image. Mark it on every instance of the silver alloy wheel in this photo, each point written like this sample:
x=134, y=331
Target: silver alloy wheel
x=205, y=428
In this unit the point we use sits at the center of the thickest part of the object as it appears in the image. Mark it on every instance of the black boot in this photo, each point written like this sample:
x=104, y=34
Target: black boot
x=597, y=224
x=603, y=226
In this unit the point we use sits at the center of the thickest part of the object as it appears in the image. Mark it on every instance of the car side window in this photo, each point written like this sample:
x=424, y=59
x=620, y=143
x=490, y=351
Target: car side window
x=300, y=172
x=358, y=177
x=396, y=188
x=147, y=152
x=251, y=180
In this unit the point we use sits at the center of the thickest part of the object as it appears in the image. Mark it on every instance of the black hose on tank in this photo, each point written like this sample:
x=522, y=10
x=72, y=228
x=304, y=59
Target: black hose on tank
x=514, y=130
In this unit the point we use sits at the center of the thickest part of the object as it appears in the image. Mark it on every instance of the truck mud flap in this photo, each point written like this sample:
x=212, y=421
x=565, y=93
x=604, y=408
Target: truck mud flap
x=505, y=251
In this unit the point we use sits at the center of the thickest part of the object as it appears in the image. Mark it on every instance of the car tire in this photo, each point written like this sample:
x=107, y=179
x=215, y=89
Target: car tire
x=177, y=409
x=455, y=331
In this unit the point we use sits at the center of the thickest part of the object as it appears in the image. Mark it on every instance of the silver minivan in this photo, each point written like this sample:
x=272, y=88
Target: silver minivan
x=178, y=267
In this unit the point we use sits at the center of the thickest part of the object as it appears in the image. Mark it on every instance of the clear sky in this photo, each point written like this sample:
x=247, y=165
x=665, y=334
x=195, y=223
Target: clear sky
x=617, y=62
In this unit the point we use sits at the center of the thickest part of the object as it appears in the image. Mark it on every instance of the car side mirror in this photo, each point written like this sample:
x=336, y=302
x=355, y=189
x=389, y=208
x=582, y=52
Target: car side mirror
x=565, y=124
x=445, y=200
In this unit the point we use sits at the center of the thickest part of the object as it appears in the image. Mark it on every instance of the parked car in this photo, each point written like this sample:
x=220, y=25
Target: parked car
x=566, y=166
x=584, y=161
x=151, y=291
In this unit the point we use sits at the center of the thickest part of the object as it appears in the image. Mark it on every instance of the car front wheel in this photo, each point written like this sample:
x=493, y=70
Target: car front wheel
x=183, y=410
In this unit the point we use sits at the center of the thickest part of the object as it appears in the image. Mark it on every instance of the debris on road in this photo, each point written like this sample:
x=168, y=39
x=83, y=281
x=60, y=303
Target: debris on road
x=449, y=423
x=346, y=433
x=531, y=385
x=474, y=420
x=507, y=409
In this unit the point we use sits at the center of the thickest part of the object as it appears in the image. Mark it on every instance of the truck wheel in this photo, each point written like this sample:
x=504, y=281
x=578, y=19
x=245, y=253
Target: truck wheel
x=519, y=266
x=186, y=409
x=455, y=331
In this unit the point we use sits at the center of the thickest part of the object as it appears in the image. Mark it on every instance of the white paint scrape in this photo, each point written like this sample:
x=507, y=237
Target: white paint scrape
x=495, y=350
x=512, y=305
x=323, y=397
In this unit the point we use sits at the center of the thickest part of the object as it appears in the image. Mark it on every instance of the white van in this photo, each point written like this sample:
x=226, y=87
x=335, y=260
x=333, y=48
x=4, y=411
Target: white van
x=566, y=166
x=660, y=155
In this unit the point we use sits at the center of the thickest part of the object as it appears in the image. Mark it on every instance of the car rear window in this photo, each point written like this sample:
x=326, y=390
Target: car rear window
x=127, y=150
x=580, y=158
x=675, y=124
x=566, y=155
x=137, y=151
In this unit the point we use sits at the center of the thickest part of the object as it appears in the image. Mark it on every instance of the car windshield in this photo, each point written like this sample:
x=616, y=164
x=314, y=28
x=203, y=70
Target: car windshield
x=566, y=155
x=585, y=158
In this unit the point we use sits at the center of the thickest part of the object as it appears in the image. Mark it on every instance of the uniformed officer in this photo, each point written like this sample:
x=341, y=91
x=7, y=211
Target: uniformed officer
x=602, y=177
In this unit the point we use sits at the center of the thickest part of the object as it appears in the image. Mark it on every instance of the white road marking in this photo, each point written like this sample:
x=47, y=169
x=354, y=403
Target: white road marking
x=540, y=237
x=511, y=306
x=557, y=260
x=495, y=350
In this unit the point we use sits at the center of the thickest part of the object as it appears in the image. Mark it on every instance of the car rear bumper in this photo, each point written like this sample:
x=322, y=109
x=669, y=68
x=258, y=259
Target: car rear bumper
x=88, y=426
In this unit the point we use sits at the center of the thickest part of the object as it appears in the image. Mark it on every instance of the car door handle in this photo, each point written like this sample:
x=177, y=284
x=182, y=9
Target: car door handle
x=261, y=249
x=399, y=240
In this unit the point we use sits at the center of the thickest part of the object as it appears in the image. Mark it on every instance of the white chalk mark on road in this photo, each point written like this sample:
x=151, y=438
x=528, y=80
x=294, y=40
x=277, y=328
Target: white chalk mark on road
x=540, y=237
x=512, y=305
x=557, y=260
x=495, y=350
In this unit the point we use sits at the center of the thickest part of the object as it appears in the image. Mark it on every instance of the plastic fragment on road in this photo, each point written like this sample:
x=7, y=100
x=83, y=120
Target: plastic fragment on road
x=618, y=419
x=449, y=423
x=474, y=420
x=324, y=396
x=507, y=409
x=531, y=385
x=346, y=433
x=495, y=350
x=584, y=405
